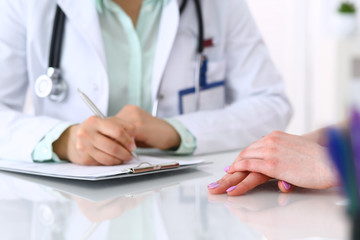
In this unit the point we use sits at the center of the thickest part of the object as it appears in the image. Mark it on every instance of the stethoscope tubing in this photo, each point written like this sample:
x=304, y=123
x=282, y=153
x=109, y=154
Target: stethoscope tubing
x=57, y=39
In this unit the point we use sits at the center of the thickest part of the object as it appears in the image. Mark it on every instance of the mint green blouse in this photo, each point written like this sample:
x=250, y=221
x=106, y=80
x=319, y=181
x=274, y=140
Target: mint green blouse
x=129, y=54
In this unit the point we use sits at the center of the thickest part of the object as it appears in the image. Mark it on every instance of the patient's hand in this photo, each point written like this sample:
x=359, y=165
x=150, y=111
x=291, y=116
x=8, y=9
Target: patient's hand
x=294, y=159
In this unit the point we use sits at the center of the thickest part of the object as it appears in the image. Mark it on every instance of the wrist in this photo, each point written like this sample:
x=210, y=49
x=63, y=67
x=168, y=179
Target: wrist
x=173, y=141
x=316, y=136
x=62, y=145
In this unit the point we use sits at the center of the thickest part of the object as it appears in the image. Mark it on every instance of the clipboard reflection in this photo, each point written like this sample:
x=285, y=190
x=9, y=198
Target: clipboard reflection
x=109, y=189
x=58, y=205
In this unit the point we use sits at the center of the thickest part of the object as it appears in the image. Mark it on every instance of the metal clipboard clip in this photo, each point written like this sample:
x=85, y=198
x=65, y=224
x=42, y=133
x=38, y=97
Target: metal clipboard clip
x=147, y=167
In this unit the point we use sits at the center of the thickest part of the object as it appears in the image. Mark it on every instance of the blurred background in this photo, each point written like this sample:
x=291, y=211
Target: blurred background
x=316, y=48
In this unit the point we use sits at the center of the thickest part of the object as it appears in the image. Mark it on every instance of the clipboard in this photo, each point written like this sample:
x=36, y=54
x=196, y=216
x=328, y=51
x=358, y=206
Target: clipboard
x=147, y=167
x=67, y=170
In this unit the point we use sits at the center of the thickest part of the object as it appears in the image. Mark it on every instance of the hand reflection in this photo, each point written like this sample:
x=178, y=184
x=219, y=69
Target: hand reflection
x=108, y=209
x=289, y=216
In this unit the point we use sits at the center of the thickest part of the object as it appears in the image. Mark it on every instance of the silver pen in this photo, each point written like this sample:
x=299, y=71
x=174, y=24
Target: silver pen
x=97, y=112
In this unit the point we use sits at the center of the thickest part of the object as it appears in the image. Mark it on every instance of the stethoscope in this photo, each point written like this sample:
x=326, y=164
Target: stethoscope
x=52, y=86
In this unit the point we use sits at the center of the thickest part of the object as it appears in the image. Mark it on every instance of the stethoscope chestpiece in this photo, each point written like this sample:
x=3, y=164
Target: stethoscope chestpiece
x=51, y=86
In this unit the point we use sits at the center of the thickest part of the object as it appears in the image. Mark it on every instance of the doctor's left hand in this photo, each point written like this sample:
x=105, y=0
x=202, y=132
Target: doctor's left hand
x=151, y=132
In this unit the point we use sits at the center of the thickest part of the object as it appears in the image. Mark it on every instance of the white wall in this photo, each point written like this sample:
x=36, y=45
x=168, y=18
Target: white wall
x=283, y=27
x=296, y=33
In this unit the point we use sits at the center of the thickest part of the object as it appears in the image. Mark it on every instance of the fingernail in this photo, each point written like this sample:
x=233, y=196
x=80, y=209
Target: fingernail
x=230, y=189
x=132, y=147
x=227, y=168
x=213, y=185
x=286, y=185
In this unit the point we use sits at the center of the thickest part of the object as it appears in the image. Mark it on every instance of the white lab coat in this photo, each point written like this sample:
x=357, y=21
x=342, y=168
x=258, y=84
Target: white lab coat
x=255, y=102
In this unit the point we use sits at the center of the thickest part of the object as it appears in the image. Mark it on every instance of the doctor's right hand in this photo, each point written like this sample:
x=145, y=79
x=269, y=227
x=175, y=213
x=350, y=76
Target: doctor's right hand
x=97, y=141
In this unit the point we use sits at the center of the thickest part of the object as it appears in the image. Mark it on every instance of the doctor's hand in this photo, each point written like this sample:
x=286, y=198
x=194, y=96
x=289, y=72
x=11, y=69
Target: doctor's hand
x=294, y=159
x=107, y=209
x=97, y=141
x=151, y=132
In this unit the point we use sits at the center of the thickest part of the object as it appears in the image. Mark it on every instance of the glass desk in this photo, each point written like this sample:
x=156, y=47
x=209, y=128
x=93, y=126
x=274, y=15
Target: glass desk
x=173, y=205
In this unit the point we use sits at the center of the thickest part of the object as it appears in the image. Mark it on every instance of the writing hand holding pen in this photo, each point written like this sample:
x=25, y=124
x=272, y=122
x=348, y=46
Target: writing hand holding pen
x=97, y=141
x=98, y=113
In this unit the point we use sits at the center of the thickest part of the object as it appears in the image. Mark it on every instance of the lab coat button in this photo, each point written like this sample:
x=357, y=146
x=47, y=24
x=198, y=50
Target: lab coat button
x=95, y=87
x=161, y=97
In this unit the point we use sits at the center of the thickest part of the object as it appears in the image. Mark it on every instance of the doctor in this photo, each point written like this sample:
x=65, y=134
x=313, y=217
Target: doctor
x=205, y=74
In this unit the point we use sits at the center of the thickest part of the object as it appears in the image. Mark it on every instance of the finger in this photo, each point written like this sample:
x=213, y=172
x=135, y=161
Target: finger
x=112, y=148
x=285, y=187
x=250, y=165
x=250, y=182
x=104, y=158
x=227, y=181
x=117, y=132
x=86, y=161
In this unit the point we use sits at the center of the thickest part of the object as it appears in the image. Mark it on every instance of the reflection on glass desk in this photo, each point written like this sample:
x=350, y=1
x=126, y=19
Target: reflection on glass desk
x=174, y=205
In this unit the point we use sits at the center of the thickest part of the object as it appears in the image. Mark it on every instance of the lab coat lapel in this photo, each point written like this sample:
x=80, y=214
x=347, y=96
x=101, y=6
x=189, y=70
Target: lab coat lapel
x=167, y=32
x=83, y=15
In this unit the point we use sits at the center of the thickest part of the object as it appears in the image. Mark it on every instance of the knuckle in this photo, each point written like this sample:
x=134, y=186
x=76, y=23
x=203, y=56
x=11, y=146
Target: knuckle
x=119, y=132
x=131, y=108
x=275, y=136
x=245, y=164
x=132, y=127
x=271, y=150
x=276, y=133
x=271, y=140
x=242, y=153
x=81, y=133
x=80, y=147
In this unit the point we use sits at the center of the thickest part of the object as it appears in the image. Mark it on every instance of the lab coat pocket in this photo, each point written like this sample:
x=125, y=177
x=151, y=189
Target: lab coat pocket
x=212, y=90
